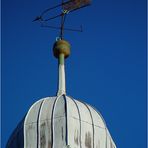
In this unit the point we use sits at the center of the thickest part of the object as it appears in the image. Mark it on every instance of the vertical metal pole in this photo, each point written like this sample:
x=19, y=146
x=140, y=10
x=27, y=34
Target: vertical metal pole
x=62, y=85
x=62, y=22
x=61, y=59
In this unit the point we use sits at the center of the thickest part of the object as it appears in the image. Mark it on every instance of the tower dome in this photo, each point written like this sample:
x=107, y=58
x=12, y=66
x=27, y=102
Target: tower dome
x=60, y=122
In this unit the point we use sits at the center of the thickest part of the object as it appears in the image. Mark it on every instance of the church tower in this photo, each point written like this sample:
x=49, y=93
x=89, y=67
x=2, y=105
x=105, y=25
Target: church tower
x=61, y=121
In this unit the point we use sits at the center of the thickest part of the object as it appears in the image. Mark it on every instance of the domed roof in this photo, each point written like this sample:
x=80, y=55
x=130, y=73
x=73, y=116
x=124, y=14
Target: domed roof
x=58, y=122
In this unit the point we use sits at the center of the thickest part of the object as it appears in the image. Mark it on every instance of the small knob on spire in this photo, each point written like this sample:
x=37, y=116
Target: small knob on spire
x=61, y=47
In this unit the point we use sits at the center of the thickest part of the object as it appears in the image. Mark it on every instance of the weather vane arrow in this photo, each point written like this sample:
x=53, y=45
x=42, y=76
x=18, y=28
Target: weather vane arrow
x=66, y=8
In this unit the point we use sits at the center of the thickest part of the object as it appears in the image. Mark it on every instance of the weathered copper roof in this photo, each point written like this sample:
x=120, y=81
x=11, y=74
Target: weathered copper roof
x=60, y=122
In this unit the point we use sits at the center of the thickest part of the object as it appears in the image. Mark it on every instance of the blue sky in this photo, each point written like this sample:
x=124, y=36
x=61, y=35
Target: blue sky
x=107, y=66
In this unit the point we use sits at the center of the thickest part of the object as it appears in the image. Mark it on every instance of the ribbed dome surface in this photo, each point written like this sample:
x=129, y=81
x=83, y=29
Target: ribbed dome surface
x=57, y=122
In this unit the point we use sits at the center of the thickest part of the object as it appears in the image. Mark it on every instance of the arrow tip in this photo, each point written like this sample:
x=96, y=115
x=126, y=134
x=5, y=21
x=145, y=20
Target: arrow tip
x=38, y=18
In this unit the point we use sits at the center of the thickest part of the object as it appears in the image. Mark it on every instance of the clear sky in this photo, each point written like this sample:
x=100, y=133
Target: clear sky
x=107, y=66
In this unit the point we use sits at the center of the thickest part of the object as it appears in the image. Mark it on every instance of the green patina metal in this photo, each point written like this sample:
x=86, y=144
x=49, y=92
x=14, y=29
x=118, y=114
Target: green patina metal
x=61, y=59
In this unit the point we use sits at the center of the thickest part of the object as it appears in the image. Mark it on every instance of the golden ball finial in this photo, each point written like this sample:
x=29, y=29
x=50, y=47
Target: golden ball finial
x=61, y=47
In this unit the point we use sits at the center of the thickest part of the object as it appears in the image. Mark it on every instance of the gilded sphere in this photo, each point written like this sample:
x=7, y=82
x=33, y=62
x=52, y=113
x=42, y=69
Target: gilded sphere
x=61, y=47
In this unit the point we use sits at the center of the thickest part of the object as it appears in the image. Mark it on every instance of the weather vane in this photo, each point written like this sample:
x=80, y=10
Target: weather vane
x=66, y=8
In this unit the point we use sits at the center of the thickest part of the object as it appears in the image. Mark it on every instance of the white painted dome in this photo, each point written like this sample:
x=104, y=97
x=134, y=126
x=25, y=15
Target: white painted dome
x=58, y=122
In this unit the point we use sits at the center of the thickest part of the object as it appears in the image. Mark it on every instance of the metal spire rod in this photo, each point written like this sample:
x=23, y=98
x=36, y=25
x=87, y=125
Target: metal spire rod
x=61, y=58
x=62, y=81
x=61, y=51
x=61, y=64
x=62, y=26
x=62, y=23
